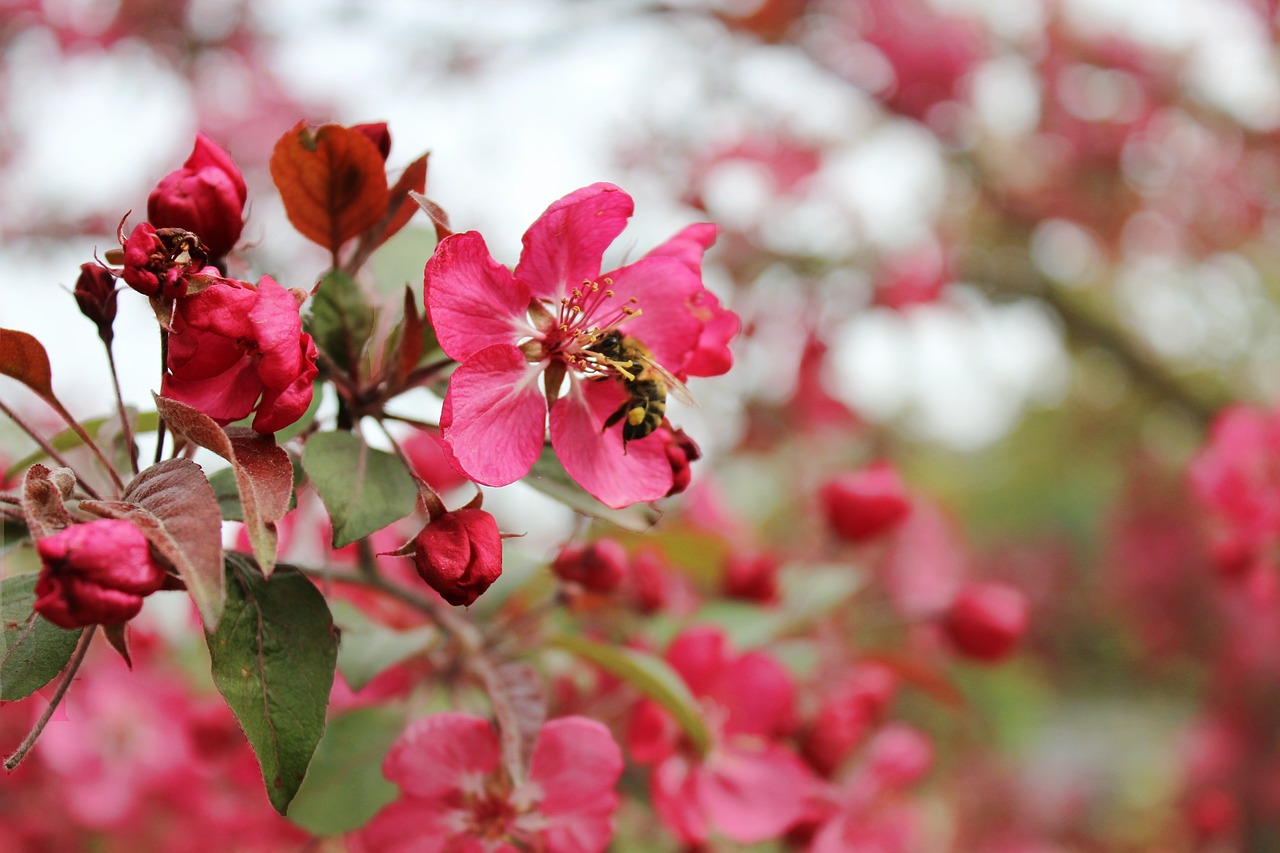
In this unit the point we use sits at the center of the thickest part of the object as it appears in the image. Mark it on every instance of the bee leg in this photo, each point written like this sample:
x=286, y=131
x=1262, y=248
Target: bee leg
x=616, y=416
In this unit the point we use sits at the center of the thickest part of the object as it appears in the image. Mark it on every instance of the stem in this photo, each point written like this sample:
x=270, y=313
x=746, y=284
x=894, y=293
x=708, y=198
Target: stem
x=126, y=428
x=48, y=449
x=430, y=500
x=89, y=443
x=68, y=675
x=164, y=366
x=425, y=373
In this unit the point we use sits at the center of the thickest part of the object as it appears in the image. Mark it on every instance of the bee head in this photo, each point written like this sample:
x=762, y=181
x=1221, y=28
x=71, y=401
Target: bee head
x=610, y=345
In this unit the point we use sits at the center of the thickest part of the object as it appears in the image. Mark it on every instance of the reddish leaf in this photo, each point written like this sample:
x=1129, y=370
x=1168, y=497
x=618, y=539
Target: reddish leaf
x=23, y=358
x=264, y=474
x=439, y=218
x=410, y=344
x=174, y=506
x=43, y=491
x=401, y=207
x=332, y=181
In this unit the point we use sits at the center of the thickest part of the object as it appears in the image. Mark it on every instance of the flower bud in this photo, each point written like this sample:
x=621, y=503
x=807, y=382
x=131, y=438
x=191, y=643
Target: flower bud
x=157, y=263
x=751, y=577
x=986, y=620
x=599, y=567
x=206, y=196
x=681, y=453
x=95, y=573
x=899, y=755
x=96, y=295
x=459, y=554
x=378, y=135
x=861, y=505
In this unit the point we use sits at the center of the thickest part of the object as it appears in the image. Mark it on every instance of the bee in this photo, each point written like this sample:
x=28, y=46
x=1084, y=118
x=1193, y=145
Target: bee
x=646, y=382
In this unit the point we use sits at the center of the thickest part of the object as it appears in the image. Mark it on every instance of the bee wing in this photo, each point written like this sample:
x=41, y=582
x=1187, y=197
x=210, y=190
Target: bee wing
x=675, y=387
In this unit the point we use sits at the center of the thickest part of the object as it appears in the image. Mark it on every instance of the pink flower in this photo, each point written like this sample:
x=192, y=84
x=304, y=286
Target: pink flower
x=459, y=554
x=848, y=712
x=206, y=197
x=545, y=322
x=93, y=573
x=455, y=795
x=236, y=349
x=748, y=787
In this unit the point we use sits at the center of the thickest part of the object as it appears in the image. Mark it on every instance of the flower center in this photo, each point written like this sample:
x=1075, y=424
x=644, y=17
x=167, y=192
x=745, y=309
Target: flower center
x=585, y=316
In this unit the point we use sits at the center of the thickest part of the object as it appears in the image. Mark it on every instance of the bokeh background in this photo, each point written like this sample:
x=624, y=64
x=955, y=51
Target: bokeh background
x=1024, y=250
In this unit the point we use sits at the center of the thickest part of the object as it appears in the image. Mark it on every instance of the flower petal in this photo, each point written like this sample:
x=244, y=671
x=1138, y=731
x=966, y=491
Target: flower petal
x=688, y=246
x=277, y=327
x=563, y=247
x=594, y=457
x=751, y=796
x=662, y=288
x=474, y=302
x=225, y=397
x=494, y=415
x=577, y=764
x=438, y=754
x=408, y=825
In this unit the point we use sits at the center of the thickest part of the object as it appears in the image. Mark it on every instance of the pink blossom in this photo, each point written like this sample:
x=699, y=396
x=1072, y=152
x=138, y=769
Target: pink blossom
x=600, y=566
x=861, y=505
x=97, y=572
x=986, y=620
x=749, y=787
x=455, y=795
x=509, y=331
x=848, y=712
x=237, y=349
x=206, y=197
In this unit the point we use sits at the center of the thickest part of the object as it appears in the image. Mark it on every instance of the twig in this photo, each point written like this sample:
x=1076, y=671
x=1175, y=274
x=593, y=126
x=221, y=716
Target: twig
x=48, y=449
x=126, y=427
x=77, y=658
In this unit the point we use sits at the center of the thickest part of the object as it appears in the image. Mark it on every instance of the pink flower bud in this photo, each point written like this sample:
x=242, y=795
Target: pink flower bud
x=459, y=554
x=94, y=573
x=96, y=295
x=751, y=577
x=681, y=453
x=861, y=505
x=206, y=196
x=987, y=620
x=856, y=704
x=378, y=135
x=899, y=755
x=157, y=263
x=599, y=567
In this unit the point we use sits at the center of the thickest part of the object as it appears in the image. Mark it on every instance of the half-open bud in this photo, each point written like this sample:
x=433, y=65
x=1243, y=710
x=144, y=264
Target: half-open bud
x=95, y=573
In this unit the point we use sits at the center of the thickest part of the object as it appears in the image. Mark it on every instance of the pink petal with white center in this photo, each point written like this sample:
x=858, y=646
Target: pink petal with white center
x=438, y=755
x=494, y=418
x=662, y=289
x=688, y=246
x=473, y=301
x=577, y=764
x=751, y=796
x=563, y=247
x=593, y=457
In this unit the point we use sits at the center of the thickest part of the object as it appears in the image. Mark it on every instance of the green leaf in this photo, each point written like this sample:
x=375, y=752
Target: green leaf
x=368, y=648
x=273, y=658
x=345, y=787
x=549, y=477
x=32, y=650
x=341, y=320
x=227, y=493
x=651, y=675
x=69, y=440
x=363, y=489
x=12, y=533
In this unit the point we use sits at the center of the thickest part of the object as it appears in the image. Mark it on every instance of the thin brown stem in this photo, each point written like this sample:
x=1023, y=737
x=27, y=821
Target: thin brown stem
x=126, y=427
x=48, y=449
x=68, y=675
x=164, y=366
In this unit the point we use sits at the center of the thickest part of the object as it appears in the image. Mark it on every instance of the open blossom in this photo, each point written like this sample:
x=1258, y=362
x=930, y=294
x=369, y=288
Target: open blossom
x=206, y=197
x=93, y=573
x=543, y=323
x=455, y=795
x=236, y=349
x=749, y=787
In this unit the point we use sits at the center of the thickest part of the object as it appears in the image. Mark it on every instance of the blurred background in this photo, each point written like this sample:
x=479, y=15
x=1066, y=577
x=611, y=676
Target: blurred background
x=1023, y=251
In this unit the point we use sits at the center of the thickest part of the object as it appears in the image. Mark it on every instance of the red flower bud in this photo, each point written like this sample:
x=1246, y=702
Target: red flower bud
x=94, y=573
x=861, y=505
x=751, y=577
x=378, y=135
x=600, y=566
x=206, y=196
x=96, y=295
x=681, y=452
x=855, y=705
x=986, y=620
x=459, y=554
